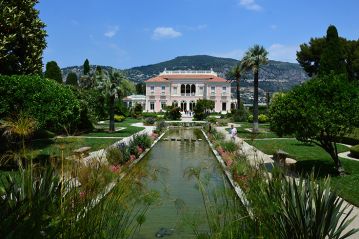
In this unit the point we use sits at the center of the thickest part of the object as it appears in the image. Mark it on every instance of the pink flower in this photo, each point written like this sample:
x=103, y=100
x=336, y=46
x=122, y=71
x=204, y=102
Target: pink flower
x=115, y=168
x=82, y=194
x=132, y=157
x=139, y=150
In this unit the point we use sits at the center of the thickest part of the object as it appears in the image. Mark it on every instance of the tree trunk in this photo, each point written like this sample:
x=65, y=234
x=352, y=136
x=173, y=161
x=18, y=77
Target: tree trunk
x=255, y=102
x=238, y=81
x=112, y=113
x=331, y=148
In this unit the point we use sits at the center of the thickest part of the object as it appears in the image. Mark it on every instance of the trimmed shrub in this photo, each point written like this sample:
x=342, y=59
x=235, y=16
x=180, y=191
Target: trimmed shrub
x=136, y=111
x=212, y=120
x=114, y=156
x=229, y=146
x=240, y=115
x=250, y=118
x=149, y=114
x=149, y=121
x=173, y=113
x=160, y=126
x=263, y=118
x=119, y=118
x=142, y=140
x=354, y=151
x=53, y=105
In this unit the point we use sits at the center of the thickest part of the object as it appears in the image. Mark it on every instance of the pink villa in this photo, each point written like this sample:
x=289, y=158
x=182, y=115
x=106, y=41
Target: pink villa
x=184, y=88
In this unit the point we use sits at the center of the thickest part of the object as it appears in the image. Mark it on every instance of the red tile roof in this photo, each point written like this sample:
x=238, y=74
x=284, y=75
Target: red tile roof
x=164, y=78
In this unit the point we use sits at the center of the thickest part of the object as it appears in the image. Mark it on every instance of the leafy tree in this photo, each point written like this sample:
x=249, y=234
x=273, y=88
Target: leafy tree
x=253, y=59
x=112, y=84
x=54, y=106
x=332, y=58
x=320, y=111
x=202, y=108
x=86, y=67
x=236, y=73
x=22, y=38
x=53, y=71
x=71, y=79
x=98, y=69
x=87, y=82
x=173, y=113
x=310, y=54
x=141, y=88
x=136, y=111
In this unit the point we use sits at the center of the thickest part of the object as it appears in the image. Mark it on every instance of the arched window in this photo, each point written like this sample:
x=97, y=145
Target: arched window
x=192, y=104
x=183, y=105
x=175, y=103
x=188, y=89
x=193, y=89
x=183, y=89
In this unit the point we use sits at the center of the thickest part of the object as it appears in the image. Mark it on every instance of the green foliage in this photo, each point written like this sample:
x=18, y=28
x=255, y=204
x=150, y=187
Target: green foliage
x=161, y=125
x=71, y=79
x=263, y=118
x=121, y=108
x=141, y=88
x=292, y=208
x=239, y=115
x=320, y=110
x=202, y=108
x=310, y=54
x=22, y=40
x=136, y=111
x=87, y=82
x=332, y=58
x=229, y=146
x=173, y=113
x=52, y=105
x=53, y=71
x=115, y=156
x=119, y=118
x=149, y=121
x=142, y=140
x=354, y=151
x=86, y=67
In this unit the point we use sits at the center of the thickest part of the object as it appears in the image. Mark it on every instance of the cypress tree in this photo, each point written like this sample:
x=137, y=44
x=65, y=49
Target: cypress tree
x=71, y=79
x=332, y=58
x=53, y=71
x=86, y=67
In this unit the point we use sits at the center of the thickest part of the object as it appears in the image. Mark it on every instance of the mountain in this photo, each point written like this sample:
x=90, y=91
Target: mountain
x=274, y=76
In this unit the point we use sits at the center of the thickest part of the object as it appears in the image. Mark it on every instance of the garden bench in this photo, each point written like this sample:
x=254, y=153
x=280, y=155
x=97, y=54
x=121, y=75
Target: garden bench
x=82, y=152
x=280, y=156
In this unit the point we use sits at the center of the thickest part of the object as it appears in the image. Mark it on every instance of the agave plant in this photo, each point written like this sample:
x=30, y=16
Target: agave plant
x=302, y=208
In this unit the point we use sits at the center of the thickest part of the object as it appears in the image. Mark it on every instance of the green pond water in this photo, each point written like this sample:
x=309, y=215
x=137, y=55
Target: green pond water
x=180, y=201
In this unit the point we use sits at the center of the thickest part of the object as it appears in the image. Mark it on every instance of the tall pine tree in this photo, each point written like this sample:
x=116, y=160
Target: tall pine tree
x=333, y=56
x=86, y=67
x=53, y=71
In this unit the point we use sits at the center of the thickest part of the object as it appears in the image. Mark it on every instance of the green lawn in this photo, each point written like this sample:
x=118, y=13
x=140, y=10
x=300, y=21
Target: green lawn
x=264, y=131
x=101, y=130
x=311, y=157
x=52, y=147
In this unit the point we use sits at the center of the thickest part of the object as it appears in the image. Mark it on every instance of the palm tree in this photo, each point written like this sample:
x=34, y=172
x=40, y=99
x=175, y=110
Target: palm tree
x=253, y=59
x=113, y=85
x=236, y=73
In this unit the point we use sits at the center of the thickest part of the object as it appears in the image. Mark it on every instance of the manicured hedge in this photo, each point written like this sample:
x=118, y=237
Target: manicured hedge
x=354, y=151
x=52, y=104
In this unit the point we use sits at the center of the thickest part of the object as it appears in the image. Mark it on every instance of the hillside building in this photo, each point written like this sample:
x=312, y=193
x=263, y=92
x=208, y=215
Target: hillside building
x=184, y=88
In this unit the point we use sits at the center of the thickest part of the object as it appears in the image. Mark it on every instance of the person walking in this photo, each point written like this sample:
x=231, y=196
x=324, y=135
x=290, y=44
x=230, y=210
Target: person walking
x=233, y=132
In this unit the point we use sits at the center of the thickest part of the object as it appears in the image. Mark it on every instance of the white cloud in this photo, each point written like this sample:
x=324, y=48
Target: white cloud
x=111, y=31
x=250, y=5
x=281, y=52
x=235, y=54
x=165, y=33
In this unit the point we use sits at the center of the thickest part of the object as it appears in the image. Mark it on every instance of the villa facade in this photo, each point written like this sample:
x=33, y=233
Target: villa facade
x=184, y=88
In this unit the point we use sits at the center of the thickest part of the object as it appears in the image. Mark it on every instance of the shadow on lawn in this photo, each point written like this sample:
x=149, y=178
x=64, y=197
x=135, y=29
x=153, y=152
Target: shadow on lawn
x=320, y=168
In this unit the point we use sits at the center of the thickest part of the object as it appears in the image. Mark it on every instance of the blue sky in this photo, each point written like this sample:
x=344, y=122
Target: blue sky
x=131, y=33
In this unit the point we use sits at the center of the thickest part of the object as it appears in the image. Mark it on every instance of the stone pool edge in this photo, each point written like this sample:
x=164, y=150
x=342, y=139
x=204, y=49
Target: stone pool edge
x=235, y=186
x=112, y=184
